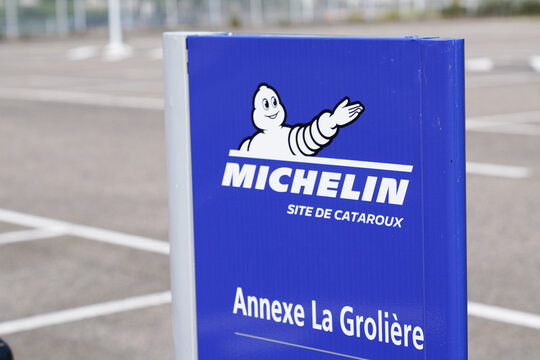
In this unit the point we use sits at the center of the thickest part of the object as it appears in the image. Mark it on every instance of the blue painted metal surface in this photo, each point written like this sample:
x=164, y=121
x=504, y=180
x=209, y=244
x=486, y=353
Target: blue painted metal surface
x=372, y=278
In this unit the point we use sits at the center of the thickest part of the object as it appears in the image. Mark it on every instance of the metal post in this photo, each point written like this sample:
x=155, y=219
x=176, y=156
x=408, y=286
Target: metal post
x=12, y=22
x=116, y=49
x=403, y=8
x=171, y=18
x=79, y=13
x=115, y=23
x=180, y=195
x=128, y=10
x=62, y=25
x=308, y=10
x=256, y=12
x=293, y=11
x=214, y=12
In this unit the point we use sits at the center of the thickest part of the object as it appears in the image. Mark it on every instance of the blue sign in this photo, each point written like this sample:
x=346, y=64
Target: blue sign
x=328, y=197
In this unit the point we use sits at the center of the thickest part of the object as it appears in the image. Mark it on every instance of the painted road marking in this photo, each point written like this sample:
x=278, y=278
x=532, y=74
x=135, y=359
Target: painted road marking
x=508, y=316
x=516, y=117
x=507, y=128
x=521, y=123
x=117, y=52
x=479, y=64
x=504, y=171
x=156, y=54
x=87, y=232
x=71, y=97
x=30, y=235
x=515, y=123
x=511, y=123
x=82, y=53
x=489, y=312
x=500, y=80
x=84, y=312
x=534, y=63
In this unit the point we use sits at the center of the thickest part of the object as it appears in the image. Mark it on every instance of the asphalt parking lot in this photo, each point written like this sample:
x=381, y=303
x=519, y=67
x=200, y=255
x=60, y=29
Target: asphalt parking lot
x=84, y=270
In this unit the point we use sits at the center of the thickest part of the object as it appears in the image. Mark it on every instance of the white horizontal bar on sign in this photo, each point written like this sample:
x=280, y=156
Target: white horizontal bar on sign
x=299, y=346
x=84, y=312
x=327, y=161
x=505, y=171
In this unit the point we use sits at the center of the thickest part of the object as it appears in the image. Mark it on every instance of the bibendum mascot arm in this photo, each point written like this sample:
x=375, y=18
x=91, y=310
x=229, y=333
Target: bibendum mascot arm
x=308, y=139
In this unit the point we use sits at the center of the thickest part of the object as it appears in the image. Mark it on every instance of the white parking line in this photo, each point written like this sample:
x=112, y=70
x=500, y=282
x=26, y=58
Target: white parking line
x=515, y=117
x=534, y=63
x=117, y=52
x=510, y=129
x=156, y=54
x=521, y=123
x=479, y=64
x=494, y=313
x=84, y=312
x=82, y=53
x=86, y=232
x=513, y=123
x=71, y=97
x=504, y=171
x=508, y=316
x=29, y=235
x=500, y=80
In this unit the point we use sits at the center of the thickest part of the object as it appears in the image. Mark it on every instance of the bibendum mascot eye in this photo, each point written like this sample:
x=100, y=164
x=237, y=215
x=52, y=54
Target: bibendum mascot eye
x=274, y=138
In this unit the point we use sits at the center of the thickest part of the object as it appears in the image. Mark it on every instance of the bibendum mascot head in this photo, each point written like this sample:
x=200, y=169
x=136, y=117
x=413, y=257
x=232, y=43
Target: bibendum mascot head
x=268, y=111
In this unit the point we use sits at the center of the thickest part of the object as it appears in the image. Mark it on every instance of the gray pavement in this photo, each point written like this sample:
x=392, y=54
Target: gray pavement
x=64, y=155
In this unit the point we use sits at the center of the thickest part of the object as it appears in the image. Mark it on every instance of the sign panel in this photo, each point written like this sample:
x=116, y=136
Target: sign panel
x=327, y=179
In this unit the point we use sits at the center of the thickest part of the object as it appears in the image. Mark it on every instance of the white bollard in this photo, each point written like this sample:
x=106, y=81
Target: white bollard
x=116, y=49
x=115, y=23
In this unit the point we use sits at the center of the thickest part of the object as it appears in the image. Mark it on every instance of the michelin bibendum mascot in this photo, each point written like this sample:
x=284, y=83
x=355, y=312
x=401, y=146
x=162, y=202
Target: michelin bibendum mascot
x=274, y=138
